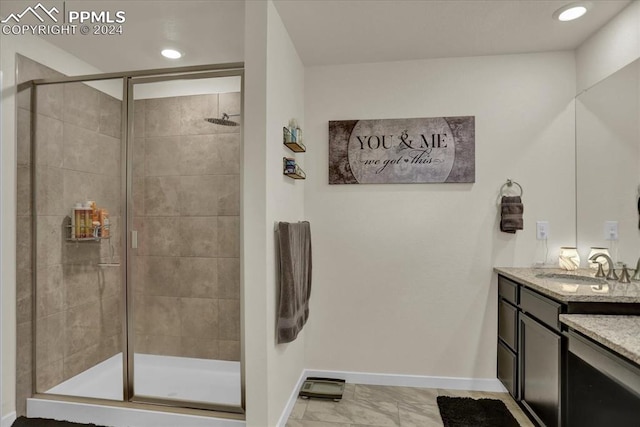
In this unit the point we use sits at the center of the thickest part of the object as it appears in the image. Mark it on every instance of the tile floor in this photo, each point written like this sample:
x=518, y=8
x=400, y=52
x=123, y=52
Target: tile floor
x=383, y=406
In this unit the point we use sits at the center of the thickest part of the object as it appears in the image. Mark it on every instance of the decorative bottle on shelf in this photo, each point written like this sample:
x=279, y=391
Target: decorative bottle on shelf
x=293, y=129
x=299, y=135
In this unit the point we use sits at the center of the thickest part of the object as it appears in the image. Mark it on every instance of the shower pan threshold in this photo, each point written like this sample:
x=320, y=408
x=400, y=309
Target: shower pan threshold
x=187, y=379
x=169, y=377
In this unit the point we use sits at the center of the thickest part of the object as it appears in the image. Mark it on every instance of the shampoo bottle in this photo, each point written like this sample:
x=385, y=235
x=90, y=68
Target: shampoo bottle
x=88, y=220
x=104, y=223
x=80, y=224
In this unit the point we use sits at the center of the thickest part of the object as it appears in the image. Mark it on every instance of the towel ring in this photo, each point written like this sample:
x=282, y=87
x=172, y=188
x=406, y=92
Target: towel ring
x=509, y=184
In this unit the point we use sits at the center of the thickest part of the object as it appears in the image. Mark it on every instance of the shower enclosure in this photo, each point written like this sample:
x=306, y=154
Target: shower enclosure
x=135, y=236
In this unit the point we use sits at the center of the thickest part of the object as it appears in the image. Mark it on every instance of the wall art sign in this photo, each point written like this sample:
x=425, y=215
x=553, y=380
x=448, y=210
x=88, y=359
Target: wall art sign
x=402, y=151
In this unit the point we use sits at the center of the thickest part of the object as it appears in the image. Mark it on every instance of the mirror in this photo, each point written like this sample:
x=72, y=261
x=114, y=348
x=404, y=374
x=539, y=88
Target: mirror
x=608, y=165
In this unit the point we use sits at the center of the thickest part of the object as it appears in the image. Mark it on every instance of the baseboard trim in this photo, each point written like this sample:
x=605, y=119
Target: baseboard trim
x=292, y=400
x=8, y=419
x=451, y=383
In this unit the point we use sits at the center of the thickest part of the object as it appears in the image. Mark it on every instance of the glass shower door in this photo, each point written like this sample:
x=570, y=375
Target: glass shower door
x=184, y=288
x=77, y=222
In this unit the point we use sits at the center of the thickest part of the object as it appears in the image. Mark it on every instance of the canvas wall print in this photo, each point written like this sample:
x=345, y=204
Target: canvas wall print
x=402, y=151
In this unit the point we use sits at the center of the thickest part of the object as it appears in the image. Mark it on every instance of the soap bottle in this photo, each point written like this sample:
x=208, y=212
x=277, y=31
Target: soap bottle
x=88, y=220
x=75, y=221
x=94, y=211
x=104, y=223
x=80, y=224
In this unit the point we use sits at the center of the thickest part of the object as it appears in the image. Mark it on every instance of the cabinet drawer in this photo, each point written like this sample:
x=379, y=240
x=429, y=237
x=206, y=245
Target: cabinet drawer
x=508, y=323
x=543, y=309
x=507, y=369
x=508, y=290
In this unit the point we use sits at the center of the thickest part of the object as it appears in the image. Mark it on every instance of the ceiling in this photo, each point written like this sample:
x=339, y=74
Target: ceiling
x=341, y=32
x=206, y=31
x=328, y=31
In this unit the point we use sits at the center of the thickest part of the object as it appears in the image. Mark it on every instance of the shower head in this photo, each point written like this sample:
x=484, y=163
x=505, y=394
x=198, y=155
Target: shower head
x=224, y=121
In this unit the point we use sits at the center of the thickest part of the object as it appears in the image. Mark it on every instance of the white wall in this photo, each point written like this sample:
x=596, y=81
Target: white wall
x=254, y=205
x=273, y=95
x=285, y=200
x=611, y=48
x=403, y=280
x=53, y=57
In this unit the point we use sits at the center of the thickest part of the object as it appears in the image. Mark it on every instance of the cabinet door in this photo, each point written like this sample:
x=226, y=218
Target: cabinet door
x=540, y=364
x=507, y=369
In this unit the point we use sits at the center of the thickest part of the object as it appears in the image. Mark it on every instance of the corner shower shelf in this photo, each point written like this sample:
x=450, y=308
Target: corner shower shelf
x=84, y=239
x=291, y=142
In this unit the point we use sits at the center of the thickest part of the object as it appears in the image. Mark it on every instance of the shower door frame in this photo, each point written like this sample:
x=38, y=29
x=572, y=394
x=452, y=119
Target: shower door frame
x=130, y=365
x=129, y=79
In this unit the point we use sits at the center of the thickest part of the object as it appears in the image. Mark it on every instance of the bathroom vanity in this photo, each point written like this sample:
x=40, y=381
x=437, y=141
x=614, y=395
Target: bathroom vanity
x=546, y=319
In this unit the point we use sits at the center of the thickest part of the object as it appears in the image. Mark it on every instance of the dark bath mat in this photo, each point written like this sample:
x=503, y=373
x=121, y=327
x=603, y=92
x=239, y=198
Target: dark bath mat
x=42, y=422
x=468, y=412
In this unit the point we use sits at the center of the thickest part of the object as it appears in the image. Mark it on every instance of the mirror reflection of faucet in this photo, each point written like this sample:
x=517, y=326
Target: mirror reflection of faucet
x=637, y=275
x=600, y=288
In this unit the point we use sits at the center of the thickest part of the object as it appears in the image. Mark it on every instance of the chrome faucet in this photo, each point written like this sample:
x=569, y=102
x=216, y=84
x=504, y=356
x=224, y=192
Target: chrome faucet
x=611, y=275
x=636, y=276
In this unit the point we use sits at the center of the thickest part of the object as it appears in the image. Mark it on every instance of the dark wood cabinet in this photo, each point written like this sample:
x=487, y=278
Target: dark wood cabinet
x=530, y=349
x=508, y=369
x=508, y=335
x=603, y=389
x=538, y=361
x=540, y=354
x=508, y=324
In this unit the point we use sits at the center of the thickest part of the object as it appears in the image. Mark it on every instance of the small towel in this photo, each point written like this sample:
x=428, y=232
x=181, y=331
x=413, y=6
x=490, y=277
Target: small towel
x=293, y=242
x=511, y=214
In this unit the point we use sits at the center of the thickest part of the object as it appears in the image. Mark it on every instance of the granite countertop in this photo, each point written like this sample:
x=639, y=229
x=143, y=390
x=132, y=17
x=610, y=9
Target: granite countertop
x=619, y=333
x=613, y=291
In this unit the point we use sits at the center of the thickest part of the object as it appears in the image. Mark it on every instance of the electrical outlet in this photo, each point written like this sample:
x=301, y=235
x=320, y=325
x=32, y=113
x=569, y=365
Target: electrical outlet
x=611, y=230
x=542, y=230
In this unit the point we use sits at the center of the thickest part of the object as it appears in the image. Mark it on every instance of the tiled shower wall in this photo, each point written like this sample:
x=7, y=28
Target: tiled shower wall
x=79, y=304
x=186, y=210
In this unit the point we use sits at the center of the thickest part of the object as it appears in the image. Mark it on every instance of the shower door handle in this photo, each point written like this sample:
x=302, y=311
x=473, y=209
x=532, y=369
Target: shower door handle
x=134, y=239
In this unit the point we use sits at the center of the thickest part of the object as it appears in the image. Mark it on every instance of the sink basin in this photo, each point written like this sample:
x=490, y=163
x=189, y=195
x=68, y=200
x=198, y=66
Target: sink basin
x=572, y=279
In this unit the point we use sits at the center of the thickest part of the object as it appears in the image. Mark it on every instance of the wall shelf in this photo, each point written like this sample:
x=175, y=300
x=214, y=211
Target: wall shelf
x=291, y=169
x=296, y=175
x=292, y=141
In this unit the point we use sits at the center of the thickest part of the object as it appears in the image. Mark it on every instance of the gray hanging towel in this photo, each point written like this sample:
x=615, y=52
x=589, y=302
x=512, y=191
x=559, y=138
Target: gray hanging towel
x=511, y=210
x=293, y=242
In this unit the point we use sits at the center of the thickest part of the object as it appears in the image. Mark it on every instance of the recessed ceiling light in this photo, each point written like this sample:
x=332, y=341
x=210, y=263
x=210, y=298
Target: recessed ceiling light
x=571, y=11
x=171, y=54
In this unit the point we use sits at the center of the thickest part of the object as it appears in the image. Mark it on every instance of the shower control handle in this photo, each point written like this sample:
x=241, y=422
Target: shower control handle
x=134, y=239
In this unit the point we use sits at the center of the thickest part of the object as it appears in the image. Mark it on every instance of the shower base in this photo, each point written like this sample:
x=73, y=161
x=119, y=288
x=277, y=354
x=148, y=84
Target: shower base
x=167, y=377
x=183, y=378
